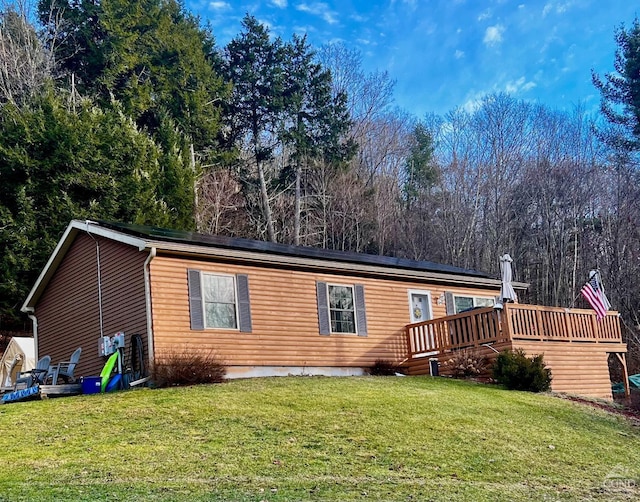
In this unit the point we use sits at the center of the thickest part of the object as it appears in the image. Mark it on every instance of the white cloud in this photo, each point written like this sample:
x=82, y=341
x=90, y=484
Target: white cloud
x=320, y=9
x=515, y=86
x=459, y=54
x=282, y=4
x=484, y=15
x=493, y=35
x=219, y=5
x=472, y=104
x=557, y=7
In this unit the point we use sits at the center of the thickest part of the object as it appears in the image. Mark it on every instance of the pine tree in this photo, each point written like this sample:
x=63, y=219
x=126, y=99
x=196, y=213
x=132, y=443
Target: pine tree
x=315, y=122
x=254, y=66
x=620, y=90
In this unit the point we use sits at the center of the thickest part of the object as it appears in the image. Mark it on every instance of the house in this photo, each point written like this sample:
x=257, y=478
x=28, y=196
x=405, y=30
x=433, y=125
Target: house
x=266, y=309
x=273, y=309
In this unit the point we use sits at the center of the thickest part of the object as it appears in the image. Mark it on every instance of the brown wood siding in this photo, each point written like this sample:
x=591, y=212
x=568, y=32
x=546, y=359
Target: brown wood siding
x=68, y=313
x=576, y=368
x=285, y=316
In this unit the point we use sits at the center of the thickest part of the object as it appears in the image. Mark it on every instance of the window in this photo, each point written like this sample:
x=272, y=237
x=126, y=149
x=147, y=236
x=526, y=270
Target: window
x=463, y=303
x=219, y=301
x=219, y=294
x=341, y=309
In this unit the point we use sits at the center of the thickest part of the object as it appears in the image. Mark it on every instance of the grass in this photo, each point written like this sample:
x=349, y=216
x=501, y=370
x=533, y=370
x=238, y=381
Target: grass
x=376, y=438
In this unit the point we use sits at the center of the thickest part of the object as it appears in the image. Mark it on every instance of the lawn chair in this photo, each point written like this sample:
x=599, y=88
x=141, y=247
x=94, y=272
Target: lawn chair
x=65, y=369
x=36, y=375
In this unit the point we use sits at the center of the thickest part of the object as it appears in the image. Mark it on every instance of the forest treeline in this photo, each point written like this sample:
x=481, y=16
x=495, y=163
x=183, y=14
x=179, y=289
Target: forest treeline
x=128, y=110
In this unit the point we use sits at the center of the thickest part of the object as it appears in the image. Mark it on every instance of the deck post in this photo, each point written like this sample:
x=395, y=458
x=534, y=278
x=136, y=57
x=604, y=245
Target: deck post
x=625, y=374
x=407, y=331
x=596, y=329
x=506, y=322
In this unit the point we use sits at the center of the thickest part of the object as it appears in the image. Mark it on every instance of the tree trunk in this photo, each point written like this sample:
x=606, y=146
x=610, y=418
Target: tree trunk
x=266, y=207
x=298, y=196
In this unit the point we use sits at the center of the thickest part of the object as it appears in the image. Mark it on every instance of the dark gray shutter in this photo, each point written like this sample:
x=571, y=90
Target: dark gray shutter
x=195, y=300
x=323, y=308
x=244, y=305
x=361, y=314
x=449, y=303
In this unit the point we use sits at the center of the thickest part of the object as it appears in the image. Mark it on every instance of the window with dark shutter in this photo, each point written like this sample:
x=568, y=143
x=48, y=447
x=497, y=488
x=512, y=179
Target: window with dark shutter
x=361, y=312
x=323, y=308
x=196, y=311
x=244, y=306
x=219, y=301
x=341, y=309
x=449, y=303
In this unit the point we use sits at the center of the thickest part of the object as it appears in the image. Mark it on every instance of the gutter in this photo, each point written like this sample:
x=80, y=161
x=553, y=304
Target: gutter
x=31, y=315
x=147, y=298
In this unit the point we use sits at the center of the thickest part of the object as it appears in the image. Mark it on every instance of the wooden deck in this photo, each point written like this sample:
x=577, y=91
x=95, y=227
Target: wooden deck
x=575, y=344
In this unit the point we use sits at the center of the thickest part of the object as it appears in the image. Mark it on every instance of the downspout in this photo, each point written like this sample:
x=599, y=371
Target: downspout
x=31, y=315
x=147, y=297
x=99, y=271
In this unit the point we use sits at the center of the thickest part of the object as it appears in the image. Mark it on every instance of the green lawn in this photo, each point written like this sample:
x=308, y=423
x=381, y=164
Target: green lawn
x=384, y=438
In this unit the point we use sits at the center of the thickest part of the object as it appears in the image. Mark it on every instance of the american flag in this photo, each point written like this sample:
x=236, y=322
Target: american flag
x=594, y=294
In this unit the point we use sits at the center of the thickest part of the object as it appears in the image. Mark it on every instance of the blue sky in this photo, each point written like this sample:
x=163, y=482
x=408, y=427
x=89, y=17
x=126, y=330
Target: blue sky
x=449, y=53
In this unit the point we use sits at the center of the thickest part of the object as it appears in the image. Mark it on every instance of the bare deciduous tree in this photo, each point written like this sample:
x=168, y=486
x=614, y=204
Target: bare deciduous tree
x=25, y=64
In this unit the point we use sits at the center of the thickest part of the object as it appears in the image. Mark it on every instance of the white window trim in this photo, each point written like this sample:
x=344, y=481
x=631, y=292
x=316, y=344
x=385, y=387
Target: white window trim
x=474, y=297
x=204, y=307
x=355, y=309
x=422, y=292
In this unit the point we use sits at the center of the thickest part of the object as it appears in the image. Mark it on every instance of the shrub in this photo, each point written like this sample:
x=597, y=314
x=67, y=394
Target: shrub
x=188, y=367
x=466, y=363
x=383, y=367
x=516, y=371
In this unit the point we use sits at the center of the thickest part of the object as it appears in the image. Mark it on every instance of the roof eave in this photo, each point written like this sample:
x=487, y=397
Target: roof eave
x=69, y=235
x=323, y=265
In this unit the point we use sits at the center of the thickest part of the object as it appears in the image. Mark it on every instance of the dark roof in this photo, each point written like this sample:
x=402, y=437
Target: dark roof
x=219, y=241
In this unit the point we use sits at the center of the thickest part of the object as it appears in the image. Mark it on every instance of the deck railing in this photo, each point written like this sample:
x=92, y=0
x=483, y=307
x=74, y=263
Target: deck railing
x=515, y=322
x=534, y=322
x=458, y=331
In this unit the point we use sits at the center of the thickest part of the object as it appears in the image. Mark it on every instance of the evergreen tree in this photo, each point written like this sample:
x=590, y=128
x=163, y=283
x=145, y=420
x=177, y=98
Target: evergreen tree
x=620, y=90
x=62, y=159
x=150, y=59
x=315, y=122
x=150, y=55
x=420, y=171
x=254, y=66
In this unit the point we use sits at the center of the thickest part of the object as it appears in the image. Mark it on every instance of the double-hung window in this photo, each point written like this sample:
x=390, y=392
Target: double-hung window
x=463, y=303
x=219, y=294
x=219, y=301
x=341, y=309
